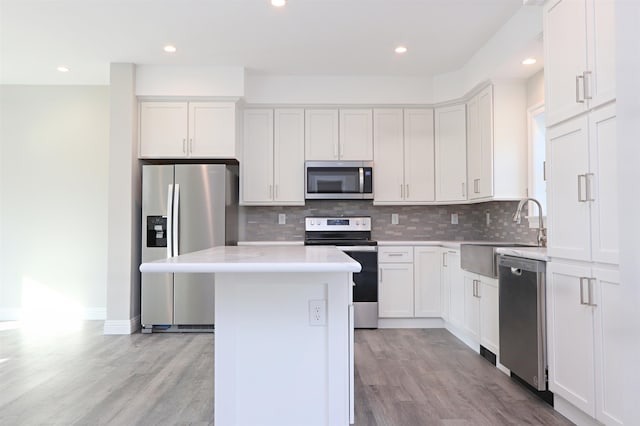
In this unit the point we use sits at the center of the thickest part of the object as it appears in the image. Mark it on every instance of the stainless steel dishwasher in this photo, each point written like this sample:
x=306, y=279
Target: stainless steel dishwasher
x=522, y=319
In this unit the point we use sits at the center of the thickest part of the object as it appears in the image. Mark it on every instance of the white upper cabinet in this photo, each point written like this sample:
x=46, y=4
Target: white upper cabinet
x=272, y=170
x=451, y=153
x=582, y=188
x=356, y=135
x=321, y=136
x=404, y=151
x=480, y=145
x=579, y=47
x=188, y=129
x=332, y=134
x=163, y=129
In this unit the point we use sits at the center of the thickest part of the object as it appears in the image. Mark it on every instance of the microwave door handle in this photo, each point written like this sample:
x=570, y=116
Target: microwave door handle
x=361, y=175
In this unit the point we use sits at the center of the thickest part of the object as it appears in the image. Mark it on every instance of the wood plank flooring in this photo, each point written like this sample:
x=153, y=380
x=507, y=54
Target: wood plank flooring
x=403, y=377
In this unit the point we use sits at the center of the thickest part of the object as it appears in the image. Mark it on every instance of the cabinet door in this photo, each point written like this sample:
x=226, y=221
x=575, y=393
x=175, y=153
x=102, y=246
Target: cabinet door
x=603, y=185
x=472, y=306
x=257, y=164
x=568, y=216
x=451, y=153
x=212, y=129
x=395, y=290
x=483, y=187
x=565, y=57
x=321, y=135
x=474, y=148
x=419, y=155
x=289, y=157
x=450, y=273
x=489, y=327
x=426, y=266
x=610, y=364
x=389, y=153
x=570, y=336
x=602, y=51
x=457, y=291
x=356, y=135
x=163, y=129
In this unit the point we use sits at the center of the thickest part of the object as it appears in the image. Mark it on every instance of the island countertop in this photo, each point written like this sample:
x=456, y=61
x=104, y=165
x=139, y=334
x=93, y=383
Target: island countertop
x=257, y=259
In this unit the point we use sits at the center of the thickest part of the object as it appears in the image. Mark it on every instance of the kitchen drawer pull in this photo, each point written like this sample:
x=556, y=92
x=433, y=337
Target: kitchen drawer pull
x=590, y=288
x=578, y=100
x=582, y=301
x=395, y=254
x=582, y=178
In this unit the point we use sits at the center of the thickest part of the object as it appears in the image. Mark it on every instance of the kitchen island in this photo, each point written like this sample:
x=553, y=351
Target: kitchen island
x=283, y=332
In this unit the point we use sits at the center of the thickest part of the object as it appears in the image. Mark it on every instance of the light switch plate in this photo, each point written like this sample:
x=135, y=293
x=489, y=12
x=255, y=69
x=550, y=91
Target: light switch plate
x=394, y=218
x=454, y=218
x=282, y=219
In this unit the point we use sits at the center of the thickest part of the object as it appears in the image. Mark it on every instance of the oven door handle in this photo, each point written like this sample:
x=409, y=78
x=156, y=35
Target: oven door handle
x=357, y=248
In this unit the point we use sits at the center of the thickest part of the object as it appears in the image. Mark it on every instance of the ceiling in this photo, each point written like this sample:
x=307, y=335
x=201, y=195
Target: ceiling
x=306, y=37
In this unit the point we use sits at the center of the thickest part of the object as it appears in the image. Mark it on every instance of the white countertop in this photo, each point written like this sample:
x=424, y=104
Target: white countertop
x=536, y=253
x=283, y=258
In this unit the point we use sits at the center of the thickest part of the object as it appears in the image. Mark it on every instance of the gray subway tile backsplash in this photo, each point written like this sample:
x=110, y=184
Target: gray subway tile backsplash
x=416, y=223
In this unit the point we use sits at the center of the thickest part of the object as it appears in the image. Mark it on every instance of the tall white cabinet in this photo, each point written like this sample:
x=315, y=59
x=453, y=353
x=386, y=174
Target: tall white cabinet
x=404, y=151
x=272, y=169
x=451, y=153
x=586, y=369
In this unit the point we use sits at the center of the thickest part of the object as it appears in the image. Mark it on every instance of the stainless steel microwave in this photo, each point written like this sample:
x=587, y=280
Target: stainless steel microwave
x=331, y=180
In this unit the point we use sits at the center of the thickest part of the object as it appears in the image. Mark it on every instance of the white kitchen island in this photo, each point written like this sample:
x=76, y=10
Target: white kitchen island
x=277, y=360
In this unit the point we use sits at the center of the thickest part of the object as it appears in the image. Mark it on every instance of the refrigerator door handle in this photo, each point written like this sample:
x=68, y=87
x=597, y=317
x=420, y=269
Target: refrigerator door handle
x=169, y=221
x=176, y=220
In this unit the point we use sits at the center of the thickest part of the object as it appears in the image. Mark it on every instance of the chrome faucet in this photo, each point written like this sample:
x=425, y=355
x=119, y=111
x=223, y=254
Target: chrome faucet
x=542, y=231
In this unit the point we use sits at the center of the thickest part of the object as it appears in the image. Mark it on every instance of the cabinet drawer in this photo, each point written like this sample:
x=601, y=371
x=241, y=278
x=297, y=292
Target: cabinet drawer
x=398, y=254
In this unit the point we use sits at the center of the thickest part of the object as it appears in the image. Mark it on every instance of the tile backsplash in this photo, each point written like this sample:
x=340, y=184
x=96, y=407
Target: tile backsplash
x=415, y=222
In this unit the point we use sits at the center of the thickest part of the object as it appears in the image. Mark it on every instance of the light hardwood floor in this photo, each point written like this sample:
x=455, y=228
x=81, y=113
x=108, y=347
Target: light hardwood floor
x=403, y=377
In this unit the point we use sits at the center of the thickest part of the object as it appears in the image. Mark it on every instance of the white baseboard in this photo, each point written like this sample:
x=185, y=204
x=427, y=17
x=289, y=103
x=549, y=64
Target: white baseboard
x=573, y=413
x=410, y=323
x=89, y=314
x=129, y=326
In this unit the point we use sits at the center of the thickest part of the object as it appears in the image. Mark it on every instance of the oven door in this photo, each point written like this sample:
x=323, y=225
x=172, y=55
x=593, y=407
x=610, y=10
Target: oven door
x=365, y=289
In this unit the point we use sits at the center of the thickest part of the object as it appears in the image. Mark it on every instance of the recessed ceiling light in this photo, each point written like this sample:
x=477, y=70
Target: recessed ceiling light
x=170, y=48
x=529, y=61
x=63, y=69
x=401, y=49
x=278, y=3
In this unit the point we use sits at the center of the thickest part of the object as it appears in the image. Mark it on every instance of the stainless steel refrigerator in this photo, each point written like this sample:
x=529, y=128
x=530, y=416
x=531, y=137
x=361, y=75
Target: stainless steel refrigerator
x=185, y=208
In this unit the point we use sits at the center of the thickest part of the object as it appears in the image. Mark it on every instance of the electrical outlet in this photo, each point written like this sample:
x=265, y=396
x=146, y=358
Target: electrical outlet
x=282, y=219
x=317, y=312
x=394, y=218
x=454, y=218
x=488, y=216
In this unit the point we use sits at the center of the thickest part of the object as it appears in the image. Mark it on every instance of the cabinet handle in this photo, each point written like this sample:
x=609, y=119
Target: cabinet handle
x=582, y=280
x=544, y=171
x=586, y=86
x=588, y=187
x=581, y=178
x=184, y=146
x=478, y=289
x=407, y=191
x=578, y=100
x=444, y=259
x=590, y=288
x=476, y=186
x=190, y=146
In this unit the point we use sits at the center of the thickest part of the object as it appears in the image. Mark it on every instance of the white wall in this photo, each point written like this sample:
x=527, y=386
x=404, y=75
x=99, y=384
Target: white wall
x=161, y=81
x=289, y=89
x=535, y=89
x=53, y=204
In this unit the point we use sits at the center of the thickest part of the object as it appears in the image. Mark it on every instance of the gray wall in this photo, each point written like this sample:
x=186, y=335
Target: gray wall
x=415, y=222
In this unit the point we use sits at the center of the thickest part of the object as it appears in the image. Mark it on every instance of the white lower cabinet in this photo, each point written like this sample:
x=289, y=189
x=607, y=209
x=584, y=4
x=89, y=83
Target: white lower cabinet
x=409, y=284
x=489, y=326
x=450, y=273
x=585, y=368
x=477, y=303
x=427, y=282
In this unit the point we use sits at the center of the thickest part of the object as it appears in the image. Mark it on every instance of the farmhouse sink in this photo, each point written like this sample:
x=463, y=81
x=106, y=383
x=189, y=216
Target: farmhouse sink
x=482, y=258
